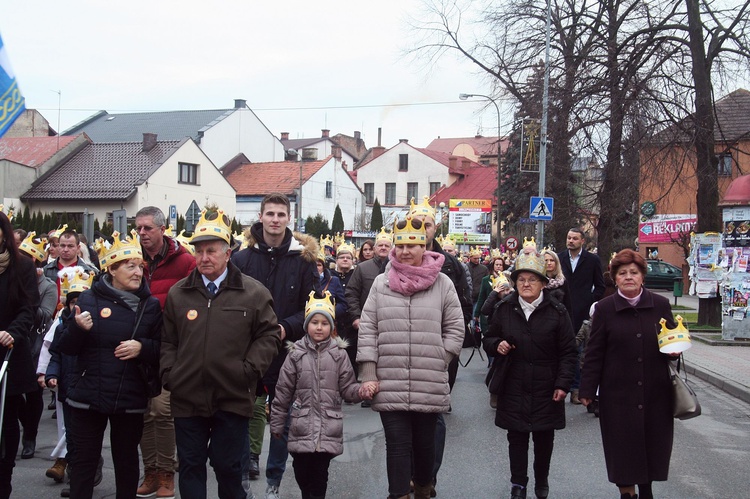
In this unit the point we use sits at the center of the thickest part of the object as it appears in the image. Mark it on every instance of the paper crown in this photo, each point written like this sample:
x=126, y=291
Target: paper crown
x=501, y=278
x=78, y=283
x=240, y=239
x=447, y=242
x=323, y=305
x=339, y=238
x=475, y=251
x=34, y=250
x=326, y=241
x=321, y=255
x=422, y=209
x=614, y=254
x=345, y=248
x=185, y=242
x=169, y=231
x=529, y=243
x=675, y=340
x=213, y=225
x=530, y=262
x=118, y=250
x=57, y=232
x=10, y=212
x=409, y=234
x=495, y=253
x=384, y=235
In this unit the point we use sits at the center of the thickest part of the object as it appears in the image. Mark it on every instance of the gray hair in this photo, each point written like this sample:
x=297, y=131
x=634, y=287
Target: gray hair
x=155, y=213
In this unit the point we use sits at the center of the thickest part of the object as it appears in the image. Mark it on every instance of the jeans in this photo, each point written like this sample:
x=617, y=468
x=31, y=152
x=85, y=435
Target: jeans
x=410, y=449
x=11, y=437
x=277, y=448
x=311, y=473
x=157, y=442
x=518, y=451
x=87, y=429
x=440, y=431
x=576, y=384
x=222, y=438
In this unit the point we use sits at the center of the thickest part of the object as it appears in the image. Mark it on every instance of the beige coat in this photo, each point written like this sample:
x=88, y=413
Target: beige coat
x=411, y=340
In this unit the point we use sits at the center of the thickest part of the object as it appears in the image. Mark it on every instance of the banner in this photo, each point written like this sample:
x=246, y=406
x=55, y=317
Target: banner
x=665, y=228
x=12, y=103
x=470, y=221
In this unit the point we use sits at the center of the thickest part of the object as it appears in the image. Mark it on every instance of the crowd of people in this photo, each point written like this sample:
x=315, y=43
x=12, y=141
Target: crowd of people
x=188, y=349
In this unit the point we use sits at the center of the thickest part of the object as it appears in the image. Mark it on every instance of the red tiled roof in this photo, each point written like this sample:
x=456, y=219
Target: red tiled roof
x=251, y=179
x=444, y=159
x=32, y=151
x=475, y=183
x=483, y=146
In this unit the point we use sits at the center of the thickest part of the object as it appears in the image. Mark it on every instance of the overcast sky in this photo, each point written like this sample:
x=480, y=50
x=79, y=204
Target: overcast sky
x=345, y=58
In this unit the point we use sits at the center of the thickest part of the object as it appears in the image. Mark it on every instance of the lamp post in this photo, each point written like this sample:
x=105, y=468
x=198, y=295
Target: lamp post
x=497, y=108
x=442, y=217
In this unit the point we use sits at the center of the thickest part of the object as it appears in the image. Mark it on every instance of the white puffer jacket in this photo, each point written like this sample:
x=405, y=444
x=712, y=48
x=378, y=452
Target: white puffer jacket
x=411, y=340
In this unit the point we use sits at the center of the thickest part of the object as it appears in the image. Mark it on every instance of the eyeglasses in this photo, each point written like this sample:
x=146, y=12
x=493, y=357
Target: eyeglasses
x=524, y=282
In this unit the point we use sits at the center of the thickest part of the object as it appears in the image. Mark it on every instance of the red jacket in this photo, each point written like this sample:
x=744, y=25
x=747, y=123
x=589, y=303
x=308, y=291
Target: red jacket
x=176, y=265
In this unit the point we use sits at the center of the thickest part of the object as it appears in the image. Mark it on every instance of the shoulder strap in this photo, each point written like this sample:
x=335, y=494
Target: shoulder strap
x=139, y=316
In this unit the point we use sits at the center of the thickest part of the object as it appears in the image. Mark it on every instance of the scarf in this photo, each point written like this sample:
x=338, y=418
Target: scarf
x=555, y=282
x=528, y=308
x=632, y=301
x=4, y=260
x=408, y=279
x=130, y=299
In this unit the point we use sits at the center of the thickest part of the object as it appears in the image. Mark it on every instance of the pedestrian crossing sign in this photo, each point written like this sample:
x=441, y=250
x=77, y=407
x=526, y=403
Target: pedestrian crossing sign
x=541, y=208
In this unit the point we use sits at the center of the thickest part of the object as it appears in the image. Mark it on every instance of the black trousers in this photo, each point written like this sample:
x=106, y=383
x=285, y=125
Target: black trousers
x=409, y=448
x=311, y=473
x=518, y=451
x=87, y=429
x=9, y=443
x=31, y=412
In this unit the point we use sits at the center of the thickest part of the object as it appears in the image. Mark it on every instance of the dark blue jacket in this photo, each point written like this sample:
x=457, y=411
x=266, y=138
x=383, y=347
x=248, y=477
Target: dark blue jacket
x=61, y=367
x=104, y=383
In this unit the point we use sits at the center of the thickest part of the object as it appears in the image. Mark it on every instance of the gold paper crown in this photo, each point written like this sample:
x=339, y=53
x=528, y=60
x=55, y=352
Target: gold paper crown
x=185, y=242
x=321, y=254
x=326, y=241
x=169, y=231
x=675, y=340
x=345, y=248
x=475, y=251
x=495, y=253
x=57, y=232
x=384, y=235
x=212, y=225
x=422, y=209
x=614, y=254
x=79, y=283
x=529, y=243
x=448, y=242
x=10, y=212
x=408, y=235
x=339, y=238
x=34, y=250
x=325, y=305
x=531, y=262
x=501, y=278
x=239, y=239
x=119, y=250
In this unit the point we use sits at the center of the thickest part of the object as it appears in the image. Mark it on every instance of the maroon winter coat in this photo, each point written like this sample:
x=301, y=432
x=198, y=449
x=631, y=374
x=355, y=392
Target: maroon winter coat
x=176, y=265
x=635, y=391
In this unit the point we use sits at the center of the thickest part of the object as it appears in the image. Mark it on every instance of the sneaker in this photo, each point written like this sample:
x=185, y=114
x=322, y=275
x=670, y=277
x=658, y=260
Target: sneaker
x=272, y=492
x=57, y=471
x=150, y=484
x=166, y=485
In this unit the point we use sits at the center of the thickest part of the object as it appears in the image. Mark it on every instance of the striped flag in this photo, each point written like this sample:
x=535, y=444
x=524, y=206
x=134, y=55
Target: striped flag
x=12, y=103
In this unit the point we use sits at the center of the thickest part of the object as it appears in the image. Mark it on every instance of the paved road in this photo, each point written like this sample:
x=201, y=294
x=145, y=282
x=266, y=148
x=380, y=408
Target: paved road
x=709, y=458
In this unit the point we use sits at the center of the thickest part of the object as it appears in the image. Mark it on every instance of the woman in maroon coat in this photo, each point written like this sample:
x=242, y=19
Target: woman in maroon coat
x=635, y=394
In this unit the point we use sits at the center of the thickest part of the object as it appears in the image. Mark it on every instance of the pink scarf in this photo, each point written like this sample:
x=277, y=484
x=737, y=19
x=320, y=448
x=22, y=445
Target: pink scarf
x=408, y=279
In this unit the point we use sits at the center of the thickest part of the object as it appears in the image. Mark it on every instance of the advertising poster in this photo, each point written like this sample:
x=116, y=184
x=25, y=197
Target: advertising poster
x=736, y=227
x=470, y=221
x=664, y=228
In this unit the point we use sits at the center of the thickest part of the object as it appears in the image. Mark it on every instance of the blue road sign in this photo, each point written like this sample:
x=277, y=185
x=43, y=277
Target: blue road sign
x=541, y=208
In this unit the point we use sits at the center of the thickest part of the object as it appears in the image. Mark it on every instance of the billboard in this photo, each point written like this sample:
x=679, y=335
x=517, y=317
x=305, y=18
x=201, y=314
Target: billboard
x=665, y=228
x=470, y=221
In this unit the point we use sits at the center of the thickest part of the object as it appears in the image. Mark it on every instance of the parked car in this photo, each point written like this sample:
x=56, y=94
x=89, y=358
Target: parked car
x=661, y=275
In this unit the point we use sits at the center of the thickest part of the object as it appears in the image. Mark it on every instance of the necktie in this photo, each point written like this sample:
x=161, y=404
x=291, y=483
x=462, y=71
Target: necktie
x=212, y=289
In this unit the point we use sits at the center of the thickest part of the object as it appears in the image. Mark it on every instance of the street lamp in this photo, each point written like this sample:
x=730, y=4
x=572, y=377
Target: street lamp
x=442, y=216
x=497, y=108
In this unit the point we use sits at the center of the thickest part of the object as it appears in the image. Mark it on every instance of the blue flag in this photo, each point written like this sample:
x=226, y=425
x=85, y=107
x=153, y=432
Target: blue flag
x=12, y=103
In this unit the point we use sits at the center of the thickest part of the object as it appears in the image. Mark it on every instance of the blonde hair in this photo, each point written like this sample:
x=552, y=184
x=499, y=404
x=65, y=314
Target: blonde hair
x=558, y=268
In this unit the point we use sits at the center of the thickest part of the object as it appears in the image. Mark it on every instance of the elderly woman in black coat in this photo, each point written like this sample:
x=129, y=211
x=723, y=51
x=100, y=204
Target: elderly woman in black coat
x=533, y=330
x=623, y=360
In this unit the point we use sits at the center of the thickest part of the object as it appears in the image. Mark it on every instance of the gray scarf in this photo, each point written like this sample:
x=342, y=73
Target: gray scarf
x=129, y=298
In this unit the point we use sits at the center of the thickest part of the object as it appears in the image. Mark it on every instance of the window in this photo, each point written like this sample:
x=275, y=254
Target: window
x=369, y=193
x=412, y=191
x=434, y=186
x=188, y=174
x=390, y=193
x=725, y=165
x=403, y=162
x=329, y=189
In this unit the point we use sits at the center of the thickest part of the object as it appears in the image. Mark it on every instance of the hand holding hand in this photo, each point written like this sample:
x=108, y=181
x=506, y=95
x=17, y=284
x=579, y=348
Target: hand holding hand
x=127, y=350
x=40, y=381
x=52, y=383
x=368, y=389
x=83, y=319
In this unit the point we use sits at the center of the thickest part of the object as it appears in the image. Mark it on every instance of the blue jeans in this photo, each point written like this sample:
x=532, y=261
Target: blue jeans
x=277, y=449
x=409, y=445
x=440, y=431
x=221, y=438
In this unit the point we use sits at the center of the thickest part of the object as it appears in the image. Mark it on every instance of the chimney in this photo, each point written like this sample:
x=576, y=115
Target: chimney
x=326, y=133
x=291, y=155
x=465, y=163
x=357, y=135
x=284, y=135
x=452, y=160
x=240, y=103
x=405, y=141
x=149, y=141
x=377, y=151
x=380, y=135
x=336, y=152
x=309, y=154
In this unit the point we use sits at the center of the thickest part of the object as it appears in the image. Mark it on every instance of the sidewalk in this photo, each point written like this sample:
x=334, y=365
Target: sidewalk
x=726, y=367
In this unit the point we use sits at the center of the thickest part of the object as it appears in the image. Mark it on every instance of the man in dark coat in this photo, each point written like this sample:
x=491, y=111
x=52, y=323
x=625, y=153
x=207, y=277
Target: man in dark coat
x=285, y=263
x=583, y=272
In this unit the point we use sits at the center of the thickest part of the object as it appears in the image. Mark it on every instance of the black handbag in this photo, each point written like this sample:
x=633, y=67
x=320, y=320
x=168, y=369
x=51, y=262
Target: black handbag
x=685, y=403
x=147, y=371
x=495, y=379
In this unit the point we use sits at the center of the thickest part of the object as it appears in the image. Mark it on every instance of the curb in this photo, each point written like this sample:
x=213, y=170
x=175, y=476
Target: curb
x=734, y=389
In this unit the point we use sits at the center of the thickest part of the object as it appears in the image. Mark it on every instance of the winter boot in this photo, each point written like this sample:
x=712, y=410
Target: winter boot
x=166, y=485
x=150, y=484
x=422, y=491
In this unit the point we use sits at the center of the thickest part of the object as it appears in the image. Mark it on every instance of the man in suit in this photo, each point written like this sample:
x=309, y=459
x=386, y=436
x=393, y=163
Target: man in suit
x=583, y=271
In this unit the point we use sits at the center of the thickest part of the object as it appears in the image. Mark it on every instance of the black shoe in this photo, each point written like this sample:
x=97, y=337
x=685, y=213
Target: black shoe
x=366, y=403
x=517, y=492
x=254, y=467
x=53, y=403
x=54, y=415
x=65, y=492
x=541, y=489
x=29, y=447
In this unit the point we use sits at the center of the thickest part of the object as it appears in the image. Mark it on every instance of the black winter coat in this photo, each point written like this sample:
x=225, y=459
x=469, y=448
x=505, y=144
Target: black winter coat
x=543, y=360
x=61, y=367
x=635, y=391
x=104, y=383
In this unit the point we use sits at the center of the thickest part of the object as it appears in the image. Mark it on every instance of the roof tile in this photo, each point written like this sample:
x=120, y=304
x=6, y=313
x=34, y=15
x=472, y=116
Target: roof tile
x=251, y=179
x=32, y=151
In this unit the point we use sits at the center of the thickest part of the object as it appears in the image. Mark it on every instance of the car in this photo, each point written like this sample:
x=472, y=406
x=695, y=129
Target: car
x=661, y=275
